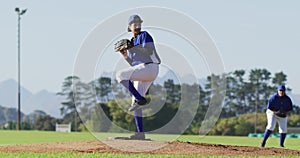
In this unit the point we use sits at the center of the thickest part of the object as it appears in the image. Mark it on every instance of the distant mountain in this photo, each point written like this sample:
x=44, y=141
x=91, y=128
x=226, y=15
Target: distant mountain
x=8, y=114
x=43, y=100
x=9, y=93
x=11, y=114
x=34, y=115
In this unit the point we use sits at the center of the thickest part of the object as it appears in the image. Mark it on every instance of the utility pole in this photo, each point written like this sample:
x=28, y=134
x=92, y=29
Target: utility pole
x=19, y=12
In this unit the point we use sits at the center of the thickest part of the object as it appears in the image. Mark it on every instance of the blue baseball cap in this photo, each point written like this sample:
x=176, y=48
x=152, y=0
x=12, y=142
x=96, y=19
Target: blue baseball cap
x=281, y=88
x=134, y=18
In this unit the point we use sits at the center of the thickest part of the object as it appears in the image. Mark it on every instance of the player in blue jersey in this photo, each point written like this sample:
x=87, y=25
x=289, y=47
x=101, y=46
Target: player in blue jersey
x=144, y=62
x=279, y=105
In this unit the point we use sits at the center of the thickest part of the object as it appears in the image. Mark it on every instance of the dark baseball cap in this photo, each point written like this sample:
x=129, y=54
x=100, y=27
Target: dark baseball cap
x=281, y=88
x=134, y=18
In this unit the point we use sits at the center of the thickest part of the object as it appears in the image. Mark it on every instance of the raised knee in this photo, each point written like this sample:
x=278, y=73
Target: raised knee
x=120, y=76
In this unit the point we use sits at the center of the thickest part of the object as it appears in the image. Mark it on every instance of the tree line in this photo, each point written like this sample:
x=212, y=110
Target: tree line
x=88, y=105
x=246, y=93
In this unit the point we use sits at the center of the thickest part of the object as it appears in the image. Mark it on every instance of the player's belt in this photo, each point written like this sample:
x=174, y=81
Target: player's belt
x=151, y=63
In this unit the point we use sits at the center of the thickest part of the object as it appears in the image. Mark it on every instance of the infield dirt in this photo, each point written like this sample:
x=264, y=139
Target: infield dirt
x=135, y=146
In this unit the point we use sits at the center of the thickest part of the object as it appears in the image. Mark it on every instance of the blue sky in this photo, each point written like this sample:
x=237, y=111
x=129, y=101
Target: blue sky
x=248, y=34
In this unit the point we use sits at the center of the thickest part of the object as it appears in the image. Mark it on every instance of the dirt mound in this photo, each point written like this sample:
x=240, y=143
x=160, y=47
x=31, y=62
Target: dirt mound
x=133, y=146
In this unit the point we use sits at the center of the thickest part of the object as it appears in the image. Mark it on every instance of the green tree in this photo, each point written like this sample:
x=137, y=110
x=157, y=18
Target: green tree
x=216, y=91
x=10, y=125
x=26, y=125
x=279, y=78
x=103, y=89
x=157, y=90
x=296, y=109
x=161, y=118
x=119, y=91
x=235, y=101
x=260, y=90
x=225, y=126
x=73, y=90
x=201, y=111
x=119, y=116
x=100, y=118
x=294, y=120
x=173, y=91
x=45, y=123
x=241, y=125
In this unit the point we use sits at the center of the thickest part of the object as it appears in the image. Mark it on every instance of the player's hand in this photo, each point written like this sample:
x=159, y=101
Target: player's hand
x=124, y=53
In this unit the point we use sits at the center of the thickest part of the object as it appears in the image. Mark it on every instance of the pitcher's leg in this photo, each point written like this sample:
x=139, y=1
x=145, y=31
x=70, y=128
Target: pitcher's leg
x=145, y=73
x=129, y=86
x=270, y=127
x=142, y=88
x=142, y=72
x=282, y=138
x=124, y=76
x=266, y=136
x=282, y=130
x=271, y=120
x=138, y=120
x=282, y=123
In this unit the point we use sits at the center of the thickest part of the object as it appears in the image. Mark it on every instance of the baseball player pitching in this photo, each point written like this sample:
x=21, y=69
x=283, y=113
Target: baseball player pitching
x=144, y=62
x=278, y=107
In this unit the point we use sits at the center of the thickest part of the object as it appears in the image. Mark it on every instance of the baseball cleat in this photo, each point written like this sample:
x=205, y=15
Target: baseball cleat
x=138, y=136
x=134, y=107
x=138, y=104
x=262, y=144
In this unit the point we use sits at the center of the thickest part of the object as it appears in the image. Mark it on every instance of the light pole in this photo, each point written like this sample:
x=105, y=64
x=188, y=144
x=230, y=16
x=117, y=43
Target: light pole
x=19, y=12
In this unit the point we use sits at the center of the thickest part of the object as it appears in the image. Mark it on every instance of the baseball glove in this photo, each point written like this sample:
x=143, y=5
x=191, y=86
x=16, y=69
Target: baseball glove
x=280, y=113
x=122, y=45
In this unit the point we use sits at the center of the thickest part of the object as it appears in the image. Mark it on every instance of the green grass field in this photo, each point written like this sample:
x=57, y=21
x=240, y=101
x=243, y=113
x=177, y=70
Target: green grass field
x=30, y=137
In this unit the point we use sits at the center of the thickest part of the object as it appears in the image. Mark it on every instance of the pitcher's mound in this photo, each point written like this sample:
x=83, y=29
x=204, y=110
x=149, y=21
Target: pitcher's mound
x=136, y=146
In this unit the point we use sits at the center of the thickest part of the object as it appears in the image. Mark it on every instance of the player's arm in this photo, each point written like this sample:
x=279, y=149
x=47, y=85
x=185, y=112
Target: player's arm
x=125, y=55
x=290, y=106
x=271, y=105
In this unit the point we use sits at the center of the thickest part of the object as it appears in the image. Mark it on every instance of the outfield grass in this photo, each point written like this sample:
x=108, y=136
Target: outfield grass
x=29, y=137
x=290, y=143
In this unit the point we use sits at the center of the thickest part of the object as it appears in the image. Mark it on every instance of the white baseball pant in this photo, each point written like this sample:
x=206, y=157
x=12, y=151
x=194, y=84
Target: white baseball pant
x=142, y=76
x=272, y=119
